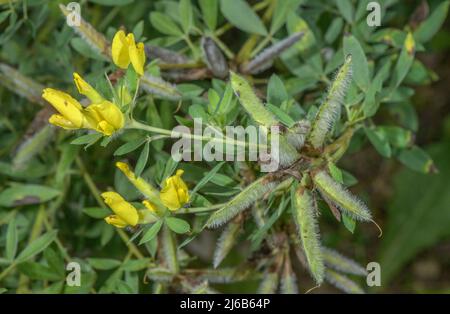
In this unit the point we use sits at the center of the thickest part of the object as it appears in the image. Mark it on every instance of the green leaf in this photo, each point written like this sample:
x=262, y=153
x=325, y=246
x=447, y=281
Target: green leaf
x=209, y=8
x=104, y=263
x=241, y=15
x=360, y=68
x=36, y=246
x=177, y=225
x=209, y=175
x=136, y=264
x=379, y=141
x=164, y=24
x=55, y=261
x=37, y=271
x=404, y=62
x=11, y=239
x=276, y=92
x=87, y=139
x=186, y=15
x=97, y=212
x=418, y=215
x=336, y=173
x=348, y=222
x=346, y=9
x=129, y=147
x=334, y=30
x=281, y=115
x=112, y=2
x=137, y=32
x=26, y=194
x=428, y=28
x=142, y=160
x=417, y=159
x=397, y=136
x=151, y=232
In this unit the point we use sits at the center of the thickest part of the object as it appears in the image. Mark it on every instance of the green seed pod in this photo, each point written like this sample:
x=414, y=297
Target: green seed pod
x=269, y=283
x=21, y=85
x=241, y=201
x=250, y=101
x=288, y=278
x=202, y=288
x=159, y=87
x=341, y=197
x=226, y=241
x=305, y=218
x=159, y=274
x=89, y=34
x=297, y=134
x=169, y=249
x=32, y=145
x=341, y=263
x=222, y=275
x=330, y=109
x=342, y=282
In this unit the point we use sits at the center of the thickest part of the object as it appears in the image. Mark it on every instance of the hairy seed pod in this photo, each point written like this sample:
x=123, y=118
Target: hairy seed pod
x=269, y=283
x=214, y=58
x=341, y=263
x=169, y=250
x=262, y=61
x=297, y=134
x=227, y=240
x=287, y=154
x=21, y=85
x=241, y=201
x=202, y=288
x=222, y=275
x=164, y=55
x=330, y=109
x=159, y=87
x=288, y=278
x=89, y=34
x=32, y=145
x=341, y=197
x=305, y=219
x=342, y=282
x=159, y=274
x=251, y=103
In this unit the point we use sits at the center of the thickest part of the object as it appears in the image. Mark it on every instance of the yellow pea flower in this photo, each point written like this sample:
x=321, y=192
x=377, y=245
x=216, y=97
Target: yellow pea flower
x=125, y=213
x=143, y=186
x=174, y=193
x=137, y=55
x=105, y=117
x=124, y=50
x=70, y=110
x=119, y=50
x=86, y=89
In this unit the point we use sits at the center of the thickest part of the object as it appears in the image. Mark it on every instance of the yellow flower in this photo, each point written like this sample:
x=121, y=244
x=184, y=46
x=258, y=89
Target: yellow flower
x=137, y=55
x=143, y=186
x=174, y=193
x=86, y=89
x=124, y=50
x=105, y=117
x=125, y=213
x=150, y=206
x=70, y=110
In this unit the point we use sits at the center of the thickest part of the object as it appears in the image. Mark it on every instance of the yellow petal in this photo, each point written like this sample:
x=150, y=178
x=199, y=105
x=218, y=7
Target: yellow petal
x=150, y=206
x=67, y=106
x=137, y=57
x=106, y=117
x=86, y=89
x=174, y=193
x=115, y=221
x=62, y=122
x=121, y=207
x=119, y=50
x=143, y=186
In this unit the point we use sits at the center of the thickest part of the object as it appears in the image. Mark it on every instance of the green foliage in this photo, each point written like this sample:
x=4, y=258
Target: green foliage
x=334, y=85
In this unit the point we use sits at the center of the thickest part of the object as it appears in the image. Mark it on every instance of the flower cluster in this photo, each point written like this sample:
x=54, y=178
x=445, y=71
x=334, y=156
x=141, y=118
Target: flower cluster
x=101, y=115
x=173, y=195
